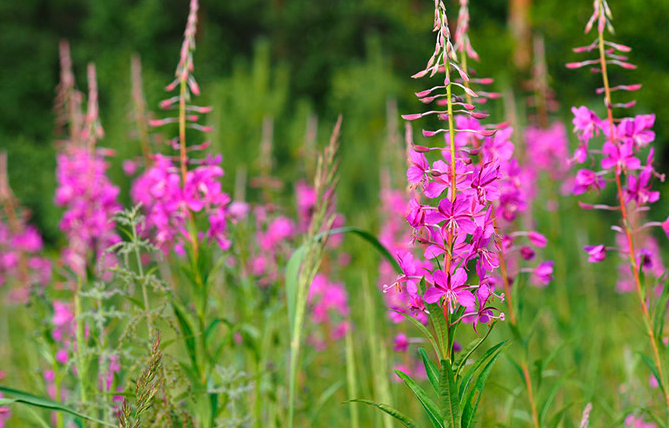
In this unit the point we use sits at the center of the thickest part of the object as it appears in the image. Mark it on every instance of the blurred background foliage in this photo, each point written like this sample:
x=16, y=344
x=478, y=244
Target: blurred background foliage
x=297, y=62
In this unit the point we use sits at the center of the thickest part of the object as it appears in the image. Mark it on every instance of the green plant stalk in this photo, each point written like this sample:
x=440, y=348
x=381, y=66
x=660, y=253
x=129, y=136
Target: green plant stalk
x=352, y=383
x=627, y=228
x=82, y=370
x=145, y=295
x=378, y=357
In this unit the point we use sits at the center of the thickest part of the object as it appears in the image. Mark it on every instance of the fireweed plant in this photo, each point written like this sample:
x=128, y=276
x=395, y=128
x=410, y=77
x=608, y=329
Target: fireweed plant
x=511, y=198
x=626, y=160
x=452, y=220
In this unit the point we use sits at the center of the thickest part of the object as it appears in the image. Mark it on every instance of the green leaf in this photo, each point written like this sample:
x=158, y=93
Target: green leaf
x=660, y=314
x=405, y=420
x=473, y=397
x=323, y=399
x=653, y=368
x=431, y=370
x=469, y=350
x=543, y=413
x=428, y=404
x=292, y=275
x=383, y=251
x=448, y=396
x=427, y=333
x=466, y=379
x=439, y=323
x=187, y=332
x=45, y=403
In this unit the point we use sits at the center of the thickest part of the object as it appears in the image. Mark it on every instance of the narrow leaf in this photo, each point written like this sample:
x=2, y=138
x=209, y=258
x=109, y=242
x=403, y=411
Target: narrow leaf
x=431, y=370
x=430, y=407
x=405, y=420
x=45, y=403
x=448, y=396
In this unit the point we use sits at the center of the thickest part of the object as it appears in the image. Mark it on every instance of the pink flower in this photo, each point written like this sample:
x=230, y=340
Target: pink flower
x=62, y=314
x=5, y=413
x=537, y=239
x=401, y=343
x=456, y=215
x=637, y=131
x=543, y=273
x=586, y=180
x=417, y=172
x=620, y=156
x=597, y=253
x=452, y=287
x=586, y=123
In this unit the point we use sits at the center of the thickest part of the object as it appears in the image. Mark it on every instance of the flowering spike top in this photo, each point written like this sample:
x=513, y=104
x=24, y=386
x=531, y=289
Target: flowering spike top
x=188, y=115
x=625, y=159
x=451, y=212
x=171, y=193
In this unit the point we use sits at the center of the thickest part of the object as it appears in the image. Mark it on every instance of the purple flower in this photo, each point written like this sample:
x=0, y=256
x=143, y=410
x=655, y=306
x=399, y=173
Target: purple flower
x=527, y=253
x=637, y=131
x=586, y=180
x=620, y=156
x=452, y=287
x=639, y=188
x=484, y=183
x=401, y=343
x=417, y=172
x=586, y=123
x=537, y=239
x=456, y=215
x=596, y=253
x=543, y=273
x=481, y=312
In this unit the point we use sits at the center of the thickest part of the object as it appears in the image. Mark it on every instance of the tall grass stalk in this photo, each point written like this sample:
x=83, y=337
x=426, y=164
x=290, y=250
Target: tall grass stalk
x=322, y=220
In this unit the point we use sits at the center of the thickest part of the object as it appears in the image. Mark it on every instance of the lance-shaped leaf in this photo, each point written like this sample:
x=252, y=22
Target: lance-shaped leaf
x=22, y=397
x=428, y=404
x=473, y=397
x=431, y=370
x=448, y=396
x=405, y=420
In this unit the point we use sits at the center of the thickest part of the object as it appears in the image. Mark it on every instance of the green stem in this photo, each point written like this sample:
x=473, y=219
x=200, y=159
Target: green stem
x=80, y=336
x=628, y=230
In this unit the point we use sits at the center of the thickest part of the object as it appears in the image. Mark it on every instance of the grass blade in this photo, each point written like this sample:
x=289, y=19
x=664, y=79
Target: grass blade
x=405, y=420
x=45, y=403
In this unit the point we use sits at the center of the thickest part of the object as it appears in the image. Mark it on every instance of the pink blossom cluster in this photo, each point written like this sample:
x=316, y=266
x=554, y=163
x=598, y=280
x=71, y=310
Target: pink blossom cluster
x=463, y=192
x=632, y=421
x=621, y=158
x=409, y=364
x=5, y=413
x=328, y=303
x=273, y=235
x=90, y=202
x=452, y=217
x=174, y=195
x=63, y=330
x=395, y=236
x=20, y=259
x=547, y=149
x=169, y=205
